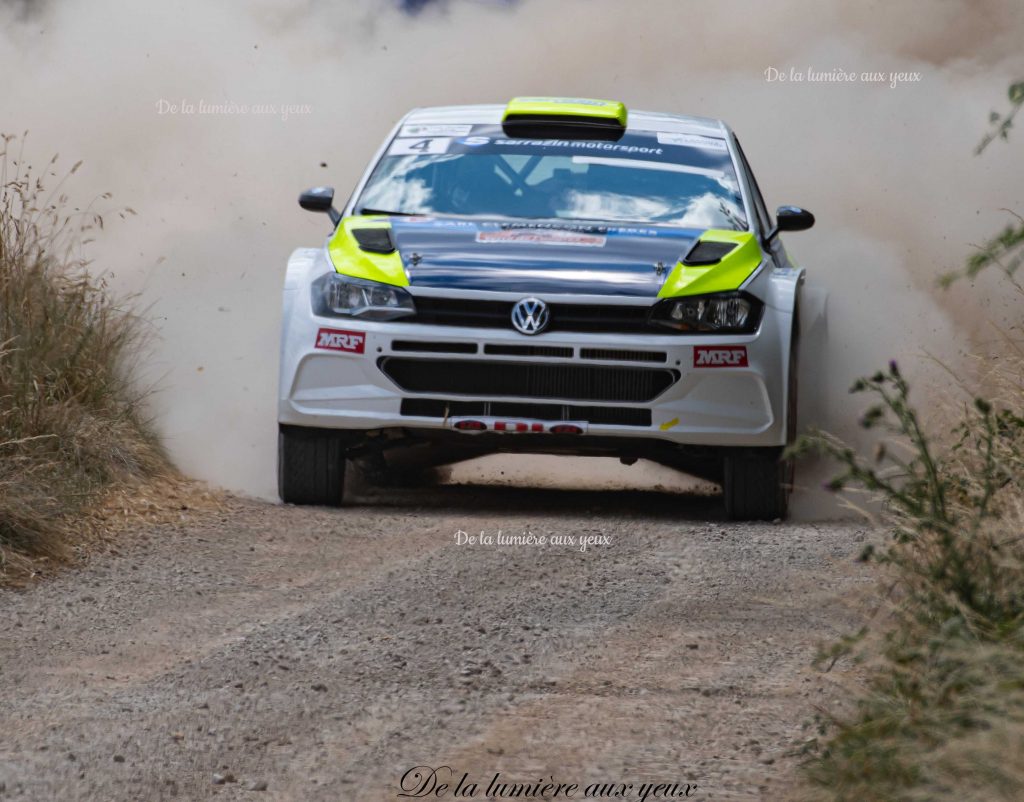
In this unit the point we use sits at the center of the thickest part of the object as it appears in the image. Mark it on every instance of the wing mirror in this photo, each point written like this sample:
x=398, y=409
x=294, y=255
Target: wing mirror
x=320, y=199
x=793, y=218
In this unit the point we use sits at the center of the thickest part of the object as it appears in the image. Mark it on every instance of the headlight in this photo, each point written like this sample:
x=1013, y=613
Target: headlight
x=723, y=313
x=335, y=295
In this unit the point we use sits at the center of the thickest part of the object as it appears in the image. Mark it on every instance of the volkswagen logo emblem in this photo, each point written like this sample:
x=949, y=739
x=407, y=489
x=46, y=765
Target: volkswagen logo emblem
x=530, y=316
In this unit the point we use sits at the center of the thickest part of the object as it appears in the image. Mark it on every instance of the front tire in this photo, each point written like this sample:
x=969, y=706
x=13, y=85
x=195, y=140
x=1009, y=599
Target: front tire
x=310, y=467
x=757, y=483
x=756, y=486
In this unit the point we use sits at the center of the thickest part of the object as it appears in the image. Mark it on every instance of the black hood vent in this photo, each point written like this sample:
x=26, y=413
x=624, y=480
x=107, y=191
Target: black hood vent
x=374, y=240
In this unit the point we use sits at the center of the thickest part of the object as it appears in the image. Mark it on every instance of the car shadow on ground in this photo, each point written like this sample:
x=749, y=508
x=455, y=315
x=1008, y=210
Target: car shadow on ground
x=697, y=505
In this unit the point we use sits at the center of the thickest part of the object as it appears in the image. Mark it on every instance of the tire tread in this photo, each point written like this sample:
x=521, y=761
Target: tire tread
x=754, y=488
x=310, y=466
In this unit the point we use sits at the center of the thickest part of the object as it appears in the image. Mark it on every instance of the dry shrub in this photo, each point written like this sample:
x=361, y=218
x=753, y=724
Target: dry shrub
x=71, y=418
x=942, y=715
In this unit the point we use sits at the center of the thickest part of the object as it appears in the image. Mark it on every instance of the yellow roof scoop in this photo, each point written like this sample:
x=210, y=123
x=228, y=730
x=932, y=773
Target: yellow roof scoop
x=563, y=117
x=567, y=106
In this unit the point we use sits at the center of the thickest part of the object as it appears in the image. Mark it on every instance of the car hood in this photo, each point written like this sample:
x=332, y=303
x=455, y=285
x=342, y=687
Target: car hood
x=540, y=257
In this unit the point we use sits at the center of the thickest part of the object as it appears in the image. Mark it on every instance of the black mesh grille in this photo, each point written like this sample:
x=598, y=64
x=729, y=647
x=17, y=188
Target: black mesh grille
x=433, y=347
x=611, y=354
x=571, y=382
x=606, y=318
x=528, y=350
x=610, y=416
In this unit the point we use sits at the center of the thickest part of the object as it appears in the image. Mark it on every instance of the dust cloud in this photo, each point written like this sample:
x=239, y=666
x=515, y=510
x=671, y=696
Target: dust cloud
x=208, y=119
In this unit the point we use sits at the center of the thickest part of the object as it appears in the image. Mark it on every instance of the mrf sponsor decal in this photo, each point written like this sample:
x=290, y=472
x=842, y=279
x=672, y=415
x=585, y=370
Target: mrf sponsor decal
x=720, y=356
x=352, y=342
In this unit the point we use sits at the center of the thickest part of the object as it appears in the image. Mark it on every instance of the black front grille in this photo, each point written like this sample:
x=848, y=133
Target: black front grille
x=617, y=354
x=611, y=416
x=571, y=382
x=431, y=347
x=529, y=350
x=462, y=312
x=604, y=318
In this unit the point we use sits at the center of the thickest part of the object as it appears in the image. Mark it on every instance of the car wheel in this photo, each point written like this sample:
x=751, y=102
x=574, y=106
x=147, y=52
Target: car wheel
x=757, y=483
x=756, y=486
x=310, y=467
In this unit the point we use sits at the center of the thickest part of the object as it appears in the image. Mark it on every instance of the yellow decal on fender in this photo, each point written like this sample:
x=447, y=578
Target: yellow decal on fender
x=351, y=260
x=724, y=275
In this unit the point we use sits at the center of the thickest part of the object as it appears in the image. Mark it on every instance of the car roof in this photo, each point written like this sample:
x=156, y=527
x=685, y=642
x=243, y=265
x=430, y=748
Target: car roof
x=491, y=114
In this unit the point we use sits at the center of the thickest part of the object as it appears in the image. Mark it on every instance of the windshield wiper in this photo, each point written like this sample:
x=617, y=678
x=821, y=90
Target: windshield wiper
x=368, y=210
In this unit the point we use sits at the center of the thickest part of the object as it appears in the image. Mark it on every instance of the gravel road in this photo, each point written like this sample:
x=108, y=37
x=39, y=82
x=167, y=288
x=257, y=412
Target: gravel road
x=270, y=652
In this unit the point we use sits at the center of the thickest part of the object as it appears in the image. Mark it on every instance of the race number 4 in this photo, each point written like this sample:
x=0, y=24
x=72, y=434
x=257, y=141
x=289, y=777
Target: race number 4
x=415, y=146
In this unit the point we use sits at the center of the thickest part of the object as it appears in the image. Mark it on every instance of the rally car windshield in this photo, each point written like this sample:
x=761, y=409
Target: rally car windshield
x=672, y=179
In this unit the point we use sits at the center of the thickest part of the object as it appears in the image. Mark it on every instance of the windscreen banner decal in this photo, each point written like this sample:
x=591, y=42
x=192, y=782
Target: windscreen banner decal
x=574, y=145
x=439, y=140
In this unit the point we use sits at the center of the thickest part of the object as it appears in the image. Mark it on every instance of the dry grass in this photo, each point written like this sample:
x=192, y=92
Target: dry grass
x=72, y=425
x=111, y=519
x=942, y=715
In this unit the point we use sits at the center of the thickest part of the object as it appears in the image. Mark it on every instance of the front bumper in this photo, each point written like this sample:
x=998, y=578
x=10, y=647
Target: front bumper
x=714, y=397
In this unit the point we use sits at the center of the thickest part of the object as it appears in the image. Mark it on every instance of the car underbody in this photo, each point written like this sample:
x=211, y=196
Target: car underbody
x=402, y=449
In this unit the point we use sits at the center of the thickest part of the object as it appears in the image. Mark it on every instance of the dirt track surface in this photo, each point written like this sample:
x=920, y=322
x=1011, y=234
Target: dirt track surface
x=321, y=654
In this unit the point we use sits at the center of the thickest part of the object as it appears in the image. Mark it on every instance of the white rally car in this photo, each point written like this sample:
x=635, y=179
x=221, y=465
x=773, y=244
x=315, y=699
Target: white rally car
x=555, y=276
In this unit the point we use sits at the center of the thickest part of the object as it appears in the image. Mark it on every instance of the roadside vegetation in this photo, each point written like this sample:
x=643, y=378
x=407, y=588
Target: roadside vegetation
x=72, y=426
x=942, y=714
